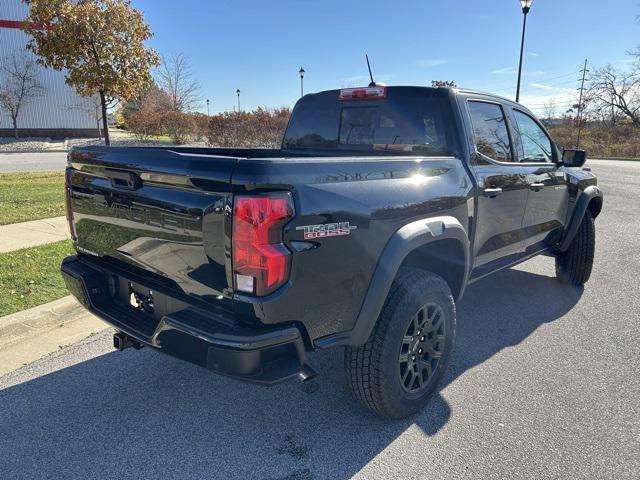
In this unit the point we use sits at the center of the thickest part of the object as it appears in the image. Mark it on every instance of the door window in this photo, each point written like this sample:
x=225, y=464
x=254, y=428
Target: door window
x=535, y=145
x=490, y=131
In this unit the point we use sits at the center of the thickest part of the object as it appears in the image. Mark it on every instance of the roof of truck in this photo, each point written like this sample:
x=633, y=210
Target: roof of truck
x=470, y=91
x=486, y=94
x=455, y=90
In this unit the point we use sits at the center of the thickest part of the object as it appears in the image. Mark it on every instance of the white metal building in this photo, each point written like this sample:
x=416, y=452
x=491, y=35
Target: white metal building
x=58, y=111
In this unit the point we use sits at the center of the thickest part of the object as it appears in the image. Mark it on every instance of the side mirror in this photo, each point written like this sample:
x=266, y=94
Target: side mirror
x=573, y=158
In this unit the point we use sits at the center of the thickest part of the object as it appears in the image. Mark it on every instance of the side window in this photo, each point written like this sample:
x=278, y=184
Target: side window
x=535, y=146
x=490, y=131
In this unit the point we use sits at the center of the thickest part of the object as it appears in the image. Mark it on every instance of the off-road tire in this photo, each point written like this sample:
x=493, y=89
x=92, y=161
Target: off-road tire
x=574, y=266
x=372, y=370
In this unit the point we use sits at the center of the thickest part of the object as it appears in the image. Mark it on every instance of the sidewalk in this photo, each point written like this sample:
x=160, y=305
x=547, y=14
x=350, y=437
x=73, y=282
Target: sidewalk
x=31, y=234
x=31, y=334
x=34, y=333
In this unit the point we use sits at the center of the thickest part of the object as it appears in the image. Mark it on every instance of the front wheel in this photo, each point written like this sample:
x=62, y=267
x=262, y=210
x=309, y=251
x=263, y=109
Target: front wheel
x=574, y=266
x=400, y=367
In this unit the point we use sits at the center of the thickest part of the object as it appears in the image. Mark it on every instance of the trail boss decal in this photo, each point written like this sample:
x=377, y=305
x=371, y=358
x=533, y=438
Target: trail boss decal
x=326, y=230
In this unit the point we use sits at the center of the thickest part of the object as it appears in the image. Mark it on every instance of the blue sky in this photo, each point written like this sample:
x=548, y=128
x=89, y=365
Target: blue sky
x=258, y=46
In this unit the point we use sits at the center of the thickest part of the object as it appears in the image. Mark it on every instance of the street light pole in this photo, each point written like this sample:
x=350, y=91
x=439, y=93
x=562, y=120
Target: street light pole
x=208, y=114
x=526, y=6
x=238, y=93
x=301, y=72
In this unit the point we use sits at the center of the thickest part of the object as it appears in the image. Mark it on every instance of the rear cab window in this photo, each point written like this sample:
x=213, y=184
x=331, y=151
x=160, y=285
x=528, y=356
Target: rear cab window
x=490, y=130
x=409, y=120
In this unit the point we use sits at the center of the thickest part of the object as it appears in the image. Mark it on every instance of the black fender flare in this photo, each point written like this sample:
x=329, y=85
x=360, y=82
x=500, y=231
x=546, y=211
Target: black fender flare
x=401, y=243
x=585, y=198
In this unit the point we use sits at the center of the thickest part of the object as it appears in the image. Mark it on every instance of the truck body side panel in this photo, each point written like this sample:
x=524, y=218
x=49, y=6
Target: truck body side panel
x=330, y=275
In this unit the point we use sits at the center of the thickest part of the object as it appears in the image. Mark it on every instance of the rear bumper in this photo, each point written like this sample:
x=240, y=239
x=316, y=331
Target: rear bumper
x=258, y=354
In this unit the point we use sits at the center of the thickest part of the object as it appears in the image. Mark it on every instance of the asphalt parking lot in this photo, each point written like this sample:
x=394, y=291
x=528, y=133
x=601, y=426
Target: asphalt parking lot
x=545, y=383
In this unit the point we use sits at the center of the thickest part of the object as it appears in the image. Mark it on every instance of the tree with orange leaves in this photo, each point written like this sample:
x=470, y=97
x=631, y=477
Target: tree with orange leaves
x=99, y=43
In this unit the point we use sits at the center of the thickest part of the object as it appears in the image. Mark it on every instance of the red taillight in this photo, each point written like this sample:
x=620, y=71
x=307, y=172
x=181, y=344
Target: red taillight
x=260, y=260
x=67, y=202
x=366, y=93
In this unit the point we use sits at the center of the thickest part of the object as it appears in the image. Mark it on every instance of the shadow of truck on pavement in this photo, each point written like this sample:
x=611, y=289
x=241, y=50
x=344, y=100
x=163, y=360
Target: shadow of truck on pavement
x=145, y=415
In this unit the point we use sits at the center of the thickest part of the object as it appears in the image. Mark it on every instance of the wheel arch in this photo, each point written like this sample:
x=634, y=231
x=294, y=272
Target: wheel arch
x=444, y=258
x=436, y=244
x=595, y=206
x=590, y=199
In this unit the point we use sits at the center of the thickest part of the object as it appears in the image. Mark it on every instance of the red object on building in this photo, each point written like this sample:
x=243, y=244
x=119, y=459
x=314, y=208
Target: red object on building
x=58, y=111
x=11, y=24
x=19, y=24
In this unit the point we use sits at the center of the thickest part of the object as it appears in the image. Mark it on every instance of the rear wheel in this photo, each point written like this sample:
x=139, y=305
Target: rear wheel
x=574, y=266
x=399, y=368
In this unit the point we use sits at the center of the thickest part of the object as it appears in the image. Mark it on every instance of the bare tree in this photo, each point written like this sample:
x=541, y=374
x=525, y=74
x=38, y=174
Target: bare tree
x=92, y=106
x=549, y=110
x=619, y=91
x=175, y=77
x=19, y=84
x=603, y=112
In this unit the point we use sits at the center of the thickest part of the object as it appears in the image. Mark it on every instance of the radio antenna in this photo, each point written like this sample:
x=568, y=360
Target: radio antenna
x=373, y=83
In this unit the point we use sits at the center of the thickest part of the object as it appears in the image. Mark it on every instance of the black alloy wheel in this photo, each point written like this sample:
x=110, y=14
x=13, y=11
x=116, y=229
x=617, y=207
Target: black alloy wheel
x=422, y=348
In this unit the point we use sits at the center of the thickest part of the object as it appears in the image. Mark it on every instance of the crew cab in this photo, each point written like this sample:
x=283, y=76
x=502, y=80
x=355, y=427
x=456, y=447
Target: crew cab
x=361, y=231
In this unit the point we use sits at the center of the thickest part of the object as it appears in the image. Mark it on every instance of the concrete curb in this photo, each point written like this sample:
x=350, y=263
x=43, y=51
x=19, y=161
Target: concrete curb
x=31, y=334
x=622, y=159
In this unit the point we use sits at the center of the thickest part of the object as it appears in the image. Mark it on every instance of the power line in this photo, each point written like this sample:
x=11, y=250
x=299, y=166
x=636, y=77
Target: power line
x=560, y=76
x=557, y=104
x=558, y=84
x=563, y=102
x=539, y=80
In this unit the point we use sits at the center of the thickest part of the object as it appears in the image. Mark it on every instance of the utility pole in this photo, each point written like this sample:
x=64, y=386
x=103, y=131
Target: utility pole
x=584, y=74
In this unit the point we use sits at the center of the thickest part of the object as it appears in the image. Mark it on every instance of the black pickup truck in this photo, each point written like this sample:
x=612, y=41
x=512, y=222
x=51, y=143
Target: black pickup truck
x=361, y=232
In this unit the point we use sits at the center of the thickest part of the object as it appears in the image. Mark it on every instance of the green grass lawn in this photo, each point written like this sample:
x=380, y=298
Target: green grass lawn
x=31, y=196
x=162, y=138
x=31, y=276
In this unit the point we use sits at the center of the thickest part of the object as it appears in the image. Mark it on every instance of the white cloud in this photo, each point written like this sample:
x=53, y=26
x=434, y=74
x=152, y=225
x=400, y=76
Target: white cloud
x=363, y=80
x=533, y=54
x=514, y=71
x=505, y=71
x=355, y=78
x=431, y=62
x=551, y=88
x=562, y=100
x=542, y=86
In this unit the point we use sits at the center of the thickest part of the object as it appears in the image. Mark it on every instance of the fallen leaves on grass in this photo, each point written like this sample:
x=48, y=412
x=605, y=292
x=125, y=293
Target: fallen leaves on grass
x=31, y=276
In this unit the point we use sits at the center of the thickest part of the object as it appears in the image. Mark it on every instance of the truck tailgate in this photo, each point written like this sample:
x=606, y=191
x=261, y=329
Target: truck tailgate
x=138, y=208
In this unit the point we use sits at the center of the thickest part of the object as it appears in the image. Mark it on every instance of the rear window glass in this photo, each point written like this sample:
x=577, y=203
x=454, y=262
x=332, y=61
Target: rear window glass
x=408, y=120
x=490, y=130
x=315, y=122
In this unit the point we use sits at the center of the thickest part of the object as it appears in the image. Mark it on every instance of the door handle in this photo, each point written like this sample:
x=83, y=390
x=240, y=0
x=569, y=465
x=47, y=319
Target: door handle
x=492, y=192
x=536, y=187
